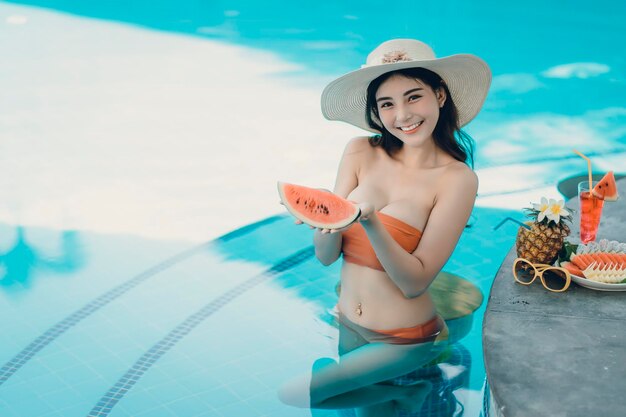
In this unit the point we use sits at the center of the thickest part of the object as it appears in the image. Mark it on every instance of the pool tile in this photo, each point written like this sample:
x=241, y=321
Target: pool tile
x=219, y=397
x=189, y=406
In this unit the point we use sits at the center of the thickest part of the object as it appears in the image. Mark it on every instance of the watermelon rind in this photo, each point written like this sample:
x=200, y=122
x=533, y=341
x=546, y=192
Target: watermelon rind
x=293, y=210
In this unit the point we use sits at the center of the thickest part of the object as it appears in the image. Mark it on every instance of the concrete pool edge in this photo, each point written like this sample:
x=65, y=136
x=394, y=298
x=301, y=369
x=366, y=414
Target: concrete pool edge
x=538, y=345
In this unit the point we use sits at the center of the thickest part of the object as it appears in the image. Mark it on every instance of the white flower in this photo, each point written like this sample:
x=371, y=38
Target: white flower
x=542, y=209
x=552, y=209
x=555, y=210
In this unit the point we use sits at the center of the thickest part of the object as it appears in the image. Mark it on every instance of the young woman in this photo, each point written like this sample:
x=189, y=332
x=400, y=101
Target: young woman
x=415, y=187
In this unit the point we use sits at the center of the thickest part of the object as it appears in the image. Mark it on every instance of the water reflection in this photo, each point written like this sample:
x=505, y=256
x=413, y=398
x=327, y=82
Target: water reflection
x=19, y=264
x=385, y=379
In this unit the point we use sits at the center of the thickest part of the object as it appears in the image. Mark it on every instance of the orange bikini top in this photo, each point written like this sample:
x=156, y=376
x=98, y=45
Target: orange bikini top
x=357, y=248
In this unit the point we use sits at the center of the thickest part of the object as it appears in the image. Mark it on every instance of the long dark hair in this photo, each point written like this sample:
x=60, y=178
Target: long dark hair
x=447, y=134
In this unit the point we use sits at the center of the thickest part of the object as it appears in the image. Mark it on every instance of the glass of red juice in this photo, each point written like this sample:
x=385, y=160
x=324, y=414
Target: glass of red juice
x=590, y=212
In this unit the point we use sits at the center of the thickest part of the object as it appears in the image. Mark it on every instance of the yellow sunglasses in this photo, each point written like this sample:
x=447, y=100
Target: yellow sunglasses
x=553, y=278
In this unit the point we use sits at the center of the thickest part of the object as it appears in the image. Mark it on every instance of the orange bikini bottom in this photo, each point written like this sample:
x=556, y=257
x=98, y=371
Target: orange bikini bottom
x=429, y=331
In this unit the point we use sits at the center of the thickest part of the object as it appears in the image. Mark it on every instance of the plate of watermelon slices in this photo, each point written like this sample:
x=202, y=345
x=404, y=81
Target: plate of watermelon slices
x=597, y=265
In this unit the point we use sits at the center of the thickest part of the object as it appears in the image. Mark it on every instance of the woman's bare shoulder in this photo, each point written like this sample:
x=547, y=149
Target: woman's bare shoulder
x=359, y=150
x=358, y=144
x=352, y=161
x=362, y=147
x=459, y=175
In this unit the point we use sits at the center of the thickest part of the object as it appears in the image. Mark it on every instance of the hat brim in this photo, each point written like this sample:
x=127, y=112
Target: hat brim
x=467, y=77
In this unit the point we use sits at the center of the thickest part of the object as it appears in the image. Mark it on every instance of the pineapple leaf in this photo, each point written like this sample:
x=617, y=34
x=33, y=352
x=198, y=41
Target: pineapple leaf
x=566, y=251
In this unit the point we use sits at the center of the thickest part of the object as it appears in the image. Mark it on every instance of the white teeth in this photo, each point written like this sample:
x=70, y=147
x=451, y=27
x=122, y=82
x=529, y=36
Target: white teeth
x=413, y=126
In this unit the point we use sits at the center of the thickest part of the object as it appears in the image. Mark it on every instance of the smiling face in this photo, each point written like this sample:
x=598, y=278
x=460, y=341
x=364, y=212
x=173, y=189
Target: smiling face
x=409, y=108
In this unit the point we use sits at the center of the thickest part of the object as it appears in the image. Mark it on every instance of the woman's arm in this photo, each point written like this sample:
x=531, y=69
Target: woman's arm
x=328, y=245
x=413, y=273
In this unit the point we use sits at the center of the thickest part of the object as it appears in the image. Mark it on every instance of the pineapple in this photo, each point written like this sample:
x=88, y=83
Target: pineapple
x=544, y=240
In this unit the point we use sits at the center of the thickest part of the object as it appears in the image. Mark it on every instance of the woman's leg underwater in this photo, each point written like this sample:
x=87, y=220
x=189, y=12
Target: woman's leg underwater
x=356, y=380
x=350, y=382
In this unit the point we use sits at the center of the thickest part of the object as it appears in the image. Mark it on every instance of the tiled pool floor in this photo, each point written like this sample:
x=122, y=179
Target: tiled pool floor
x=144, y=327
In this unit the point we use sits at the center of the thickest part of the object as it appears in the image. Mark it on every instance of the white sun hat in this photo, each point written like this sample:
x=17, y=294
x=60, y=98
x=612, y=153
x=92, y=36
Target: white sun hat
x=467, y=76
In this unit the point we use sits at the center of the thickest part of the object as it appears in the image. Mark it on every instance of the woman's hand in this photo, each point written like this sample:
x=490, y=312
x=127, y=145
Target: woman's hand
x=367, y=209
x=324, y=231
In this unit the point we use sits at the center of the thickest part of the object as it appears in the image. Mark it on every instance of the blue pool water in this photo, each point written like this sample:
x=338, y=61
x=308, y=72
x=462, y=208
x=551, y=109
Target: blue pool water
x=135, y=327
x=333, y=38
x=100, y=324
x=558, y=81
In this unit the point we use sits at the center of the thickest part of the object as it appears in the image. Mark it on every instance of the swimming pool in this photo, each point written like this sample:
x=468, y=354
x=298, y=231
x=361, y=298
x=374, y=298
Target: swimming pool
x=131, y=312
x=126, y=326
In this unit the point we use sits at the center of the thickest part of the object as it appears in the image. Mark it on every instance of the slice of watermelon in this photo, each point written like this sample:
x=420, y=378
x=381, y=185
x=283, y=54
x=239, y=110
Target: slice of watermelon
x=317, y=208
x=573, y=269
x=606, y=189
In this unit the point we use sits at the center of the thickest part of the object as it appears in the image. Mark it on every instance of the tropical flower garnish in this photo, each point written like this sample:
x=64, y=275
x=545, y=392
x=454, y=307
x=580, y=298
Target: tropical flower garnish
x=542, y=208
x=551, y=209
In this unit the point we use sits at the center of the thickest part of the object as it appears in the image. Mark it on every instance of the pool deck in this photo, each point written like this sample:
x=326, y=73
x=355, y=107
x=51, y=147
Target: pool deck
x=557, y=354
